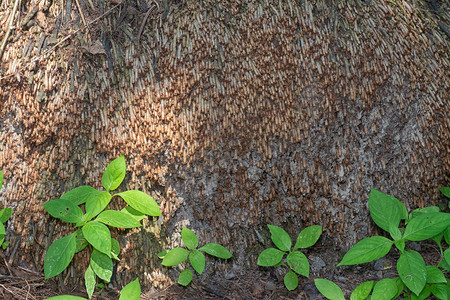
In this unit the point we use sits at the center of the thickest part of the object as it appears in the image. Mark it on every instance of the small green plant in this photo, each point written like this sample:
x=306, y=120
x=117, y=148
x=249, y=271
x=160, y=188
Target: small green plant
x=446, y=191
x=5, y=214
x=131, y=291
x=416, y=279
x=95, y=232
x=295, y=260
x=197, y=259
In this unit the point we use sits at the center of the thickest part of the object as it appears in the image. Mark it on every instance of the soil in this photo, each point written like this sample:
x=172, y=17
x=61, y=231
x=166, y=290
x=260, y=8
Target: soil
x=255, y=283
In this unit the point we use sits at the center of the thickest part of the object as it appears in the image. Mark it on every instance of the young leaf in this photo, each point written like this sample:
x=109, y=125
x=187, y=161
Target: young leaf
x=435, y=275
x=133, y=213
x=189, y=238
x=447, y=256
x=362, y=291
x=64, y=209
x=89, y=281
x=102, y=265
x=197, y=260
x=162, y=254
x=216, y=250
x=440, y=291
x=5, y=214
x=444, y=190
x=367, y=250
x=80, y=194
x=400, y=244
x=59, y=255
x=117, y=219
x=115, y=249
x=2, y=233
x=1, y=178
x=426, y=225
x=270, y=257
x=80, y=242
x=141, y=202
x=95, y=204
x=291, y=281
x=99, y=236
x=298, y=262
x=308, y=237
x=185, y=277
x=5, y=245
x=329, y=289
x=114, y=174
x=131, y=291
x=385, y=210
x=175, y=256
x=280, y=238
x=412, y=271
x=385, y=289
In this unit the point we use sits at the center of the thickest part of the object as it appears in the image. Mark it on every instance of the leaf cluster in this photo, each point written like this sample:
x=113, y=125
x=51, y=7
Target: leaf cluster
x=295, y=260
x=85, y=207
x=197, y=259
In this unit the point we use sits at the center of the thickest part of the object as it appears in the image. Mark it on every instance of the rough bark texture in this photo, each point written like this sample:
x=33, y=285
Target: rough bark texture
x=232, y=114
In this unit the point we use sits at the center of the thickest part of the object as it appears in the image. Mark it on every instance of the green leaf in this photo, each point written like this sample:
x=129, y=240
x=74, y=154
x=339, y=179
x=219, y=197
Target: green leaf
x=185, y=277
x=216, y=250
x=435, y=275
x=99, y=236
x=102, y=265
x=308, y=237
x=59, y=255
x=141, y=202
x=385, y=289
x=412, y=271
x=270, y=257
x=131, y=291
x=95, y=204
x=329, y=289
x=175, y=256
x=395, y=233
x=64, y=209
x=447, y=235
x=1, y=178
x=399, y=284
x=424, y=294
x=198, y=261
x=400, y=244
x=298, y=262
x=89, y=281
x=2, y=233
x=425, y=226
x=115, y=249
x=367, y=250
x=385, y=210
x=66, y=297
x=444, y=190
x=362, y=291
x=291, y=281
x=447, y=255
x=5, y=214
x=162, y=254
x=114, y=174
x=189, y=238
x=440, y=291
x=80, y=194
x=134, y=213
x=5, y=245
x=80, y=242
x=280, y=238
x=117, y=219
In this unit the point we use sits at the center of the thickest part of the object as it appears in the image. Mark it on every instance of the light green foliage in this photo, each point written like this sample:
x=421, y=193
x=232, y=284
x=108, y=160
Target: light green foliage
x=92, y=224
x=415, y=278
x=197, y=259
x=5, y=214
x=295, y=260
x=329, y=289
x=362, y=291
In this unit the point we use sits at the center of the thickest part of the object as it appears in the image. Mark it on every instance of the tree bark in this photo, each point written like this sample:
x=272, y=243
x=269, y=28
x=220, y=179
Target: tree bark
x=231, y=114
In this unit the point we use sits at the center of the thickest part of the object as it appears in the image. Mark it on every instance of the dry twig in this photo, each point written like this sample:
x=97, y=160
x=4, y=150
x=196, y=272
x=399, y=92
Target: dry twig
x=10, y=25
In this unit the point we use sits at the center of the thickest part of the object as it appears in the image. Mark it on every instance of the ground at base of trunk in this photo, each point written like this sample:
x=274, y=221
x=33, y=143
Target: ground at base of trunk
x=256, y=283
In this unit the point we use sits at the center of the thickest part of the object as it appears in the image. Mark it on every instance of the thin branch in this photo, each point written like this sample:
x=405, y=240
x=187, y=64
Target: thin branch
x=10, y=26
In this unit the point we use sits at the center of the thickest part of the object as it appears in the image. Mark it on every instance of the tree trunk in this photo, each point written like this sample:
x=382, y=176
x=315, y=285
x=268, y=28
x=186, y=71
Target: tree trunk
x=231, y=114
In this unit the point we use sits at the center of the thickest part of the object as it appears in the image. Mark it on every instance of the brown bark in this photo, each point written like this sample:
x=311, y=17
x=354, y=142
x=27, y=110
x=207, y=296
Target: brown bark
x=232, y=114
